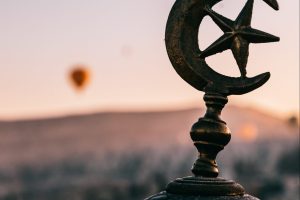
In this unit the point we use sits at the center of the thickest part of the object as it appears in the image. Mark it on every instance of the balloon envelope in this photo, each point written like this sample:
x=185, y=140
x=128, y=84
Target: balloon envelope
x=79, y=77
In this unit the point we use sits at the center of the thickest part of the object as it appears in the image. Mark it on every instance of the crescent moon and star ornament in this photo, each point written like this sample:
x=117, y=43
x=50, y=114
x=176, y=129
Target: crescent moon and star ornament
x=189, y=61
x=210, y=134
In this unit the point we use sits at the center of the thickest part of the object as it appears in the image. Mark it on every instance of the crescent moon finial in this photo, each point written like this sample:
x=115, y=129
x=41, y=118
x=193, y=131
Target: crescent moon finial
x=210, y=133
x=189, y=61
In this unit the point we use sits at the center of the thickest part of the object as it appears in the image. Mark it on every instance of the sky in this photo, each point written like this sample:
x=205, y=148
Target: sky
x=122, y=44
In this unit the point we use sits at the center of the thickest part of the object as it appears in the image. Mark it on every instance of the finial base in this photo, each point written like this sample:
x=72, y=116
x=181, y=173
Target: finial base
x=205, y=187
x=167, y=196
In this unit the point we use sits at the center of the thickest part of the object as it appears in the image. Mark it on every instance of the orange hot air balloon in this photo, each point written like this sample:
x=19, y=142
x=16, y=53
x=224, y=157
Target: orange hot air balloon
x=79, y=76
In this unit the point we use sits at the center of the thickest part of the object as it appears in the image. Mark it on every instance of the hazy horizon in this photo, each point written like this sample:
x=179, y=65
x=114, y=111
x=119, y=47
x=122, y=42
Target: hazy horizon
x=200, y=109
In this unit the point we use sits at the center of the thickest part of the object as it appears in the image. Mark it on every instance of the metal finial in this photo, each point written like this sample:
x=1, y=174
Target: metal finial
x=211, y=134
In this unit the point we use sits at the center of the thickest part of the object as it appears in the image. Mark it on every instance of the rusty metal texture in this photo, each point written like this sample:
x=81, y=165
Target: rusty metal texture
x=210, y=133
x=189, y=61
x=167, y=196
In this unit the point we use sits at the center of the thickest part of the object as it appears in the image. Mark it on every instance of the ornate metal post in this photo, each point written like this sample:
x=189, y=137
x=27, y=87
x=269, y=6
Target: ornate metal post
x=210, y=134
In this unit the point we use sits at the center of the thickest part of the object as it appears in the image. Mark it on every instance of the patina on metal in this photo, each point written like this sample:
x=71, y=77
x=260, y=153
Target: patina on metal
x=211, y=134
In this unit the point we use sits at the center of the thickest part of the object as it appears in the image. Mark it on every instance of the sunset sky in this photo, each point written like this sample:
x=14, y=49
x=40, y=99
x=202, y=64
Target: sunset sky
x=122, y=44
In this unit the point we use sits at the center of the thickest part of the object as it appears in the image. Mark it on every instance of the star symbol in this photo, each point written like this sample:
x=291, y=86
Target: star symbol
x=237, y=36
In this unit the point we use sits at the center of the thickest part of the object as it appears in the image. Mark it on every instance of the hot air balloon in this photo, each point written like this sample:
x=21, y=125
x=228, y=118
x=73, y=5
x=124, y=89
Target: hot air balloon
x=79, y=76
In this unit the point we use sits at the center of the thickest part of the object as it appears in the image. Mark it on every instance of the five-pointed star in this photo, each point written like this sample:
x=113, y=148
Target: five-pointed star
x=237, y=36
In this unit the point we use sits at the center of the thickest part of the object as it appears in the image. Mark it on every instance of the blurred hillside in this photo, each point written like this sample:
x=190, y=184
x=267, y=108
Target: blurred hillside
x=107, y=156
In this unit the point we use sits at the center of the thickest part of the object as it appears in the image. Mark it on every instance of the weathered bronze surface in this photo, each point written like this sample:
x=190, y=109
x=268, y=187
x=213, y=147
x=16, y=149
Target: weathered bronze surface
x=189, y=61
x=211, y=134
x=205, y=187
x=237, y=36
x=168, y=196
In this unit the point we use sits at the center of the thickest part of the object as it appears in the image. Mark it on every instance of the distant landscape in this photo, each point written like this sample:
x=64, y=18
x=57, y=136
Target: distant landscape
x=129, y=156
